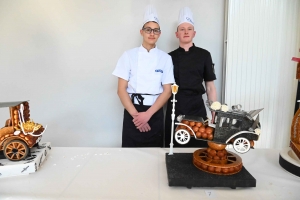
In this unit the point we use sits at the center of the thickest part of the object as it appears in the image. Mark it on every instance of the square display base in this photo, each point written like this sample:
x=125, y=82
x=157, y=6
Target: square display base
x=182, y=172
x=29, y=165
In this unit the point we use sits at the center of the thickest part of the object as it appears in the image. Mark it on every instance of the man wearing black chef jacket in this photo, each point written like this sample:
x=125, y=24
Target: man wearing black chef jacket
x=145, y=75
x=192, y=67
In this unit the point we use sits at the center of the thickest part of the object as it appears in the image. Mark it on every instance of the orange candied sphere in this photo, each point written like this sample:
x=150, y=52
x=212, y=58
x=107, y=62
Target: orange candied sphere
x=216, y=158
x=223, y=158
x=220, y=153
x=182, y=127
x=210, y=137
x=225, y=170
x=211, y=168
x=199, y=124
x=204, y=135
x=212, y=152
x=185, y=122
x=192, y=123
x=202, y=129
x=209, y=130
x=198, y=134
x=195, y=128
x=218, y=169
x=204, y=166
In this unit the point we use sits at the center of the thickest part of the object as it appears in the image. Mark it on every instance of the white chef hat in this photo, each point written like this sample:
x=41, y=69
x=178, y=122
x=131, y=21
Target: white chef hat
x=185, y=15
x=150, y=15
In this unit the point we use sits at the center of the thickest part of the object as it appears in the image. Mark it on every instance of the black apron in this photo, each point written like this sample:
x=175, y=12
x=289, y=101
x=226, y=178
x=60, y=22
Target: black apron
x=132, y=137
x=191, y=68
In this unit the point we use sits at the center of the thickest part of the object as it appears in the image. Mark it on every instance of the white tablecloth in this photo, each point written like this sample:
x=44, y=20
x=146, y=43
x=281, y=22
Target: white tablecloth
x=124, y=173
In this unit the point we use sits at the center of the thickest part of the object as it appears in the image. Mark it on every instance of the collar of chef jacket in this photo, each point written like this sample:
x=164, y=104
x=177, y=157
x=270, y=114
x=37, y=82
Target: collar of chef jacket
x=182, y=50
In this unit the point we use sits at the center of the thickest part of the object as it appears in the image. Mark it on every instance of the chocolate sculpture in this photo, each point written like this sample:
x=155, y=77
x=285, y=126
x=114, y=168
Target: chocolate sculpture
x=235, y=127
x=20, y=133
x=213, y=166
x=295, y=129
x=295, y=134
x=289, y=158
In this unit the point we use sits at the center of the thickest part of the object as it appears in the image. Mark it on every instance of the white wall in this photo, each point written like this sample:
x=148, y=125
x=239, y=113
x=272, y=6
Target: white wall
x=60, y=54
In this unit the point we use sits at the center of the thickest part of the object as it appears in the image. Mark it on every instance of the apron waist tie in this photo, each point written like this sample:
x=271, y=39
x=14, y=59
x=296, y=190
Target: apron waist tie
x=139, y=97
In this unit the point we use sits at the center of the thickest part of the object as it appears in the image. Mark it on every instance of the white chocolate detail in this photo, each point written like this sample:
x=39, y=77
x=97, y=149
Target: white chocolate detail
x=216, y=105
x=257, y=131
x=224, y=108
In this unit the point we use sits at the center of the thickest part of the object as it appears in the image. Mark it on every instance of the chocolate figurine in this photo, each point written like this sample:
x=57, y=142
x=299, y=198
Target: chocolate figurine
x=235, y=127
x=231, y=126
x=289, y=157
x=19, y=133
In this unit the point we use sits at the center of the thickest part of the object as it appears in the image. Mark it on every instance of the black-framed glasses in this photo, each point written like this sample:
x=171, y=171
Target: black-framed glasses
x=148, y=30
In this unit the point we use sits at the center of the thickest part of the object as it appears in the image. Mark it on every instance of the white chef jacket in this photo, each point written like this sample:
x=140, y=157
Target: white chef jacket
x=145, y=72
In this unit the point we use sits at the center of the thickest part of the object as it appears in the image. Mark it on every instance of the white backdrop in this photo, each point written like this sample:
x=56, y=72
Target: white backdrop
x=60, y=54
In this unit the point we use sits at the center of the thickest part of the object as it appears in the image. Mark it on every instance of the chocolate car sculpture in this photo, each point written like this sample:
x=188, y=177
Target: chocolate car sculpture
x=19, y=133
x=235, y=127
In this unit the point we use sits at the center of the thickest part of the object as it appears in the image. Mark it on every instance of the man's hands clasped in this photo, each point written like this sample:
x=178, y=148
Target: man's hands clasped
x=140, y=120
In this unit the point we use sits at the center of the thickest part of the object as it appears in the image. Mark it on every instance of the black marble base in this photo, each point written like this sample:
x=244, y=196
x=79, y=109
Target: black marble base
x=289, y=166
x=2, y=155
x=182, y=172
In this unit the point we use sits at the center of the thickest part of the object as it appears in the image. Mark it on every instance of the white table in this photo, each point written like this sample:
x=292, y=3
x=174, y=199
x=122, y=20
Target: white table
x=124, y=173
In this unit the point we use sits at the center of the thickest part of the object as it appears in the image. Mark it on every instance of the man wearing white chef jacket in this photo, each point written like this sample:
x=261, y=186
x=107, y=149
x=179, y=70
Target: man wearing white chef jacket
x=193, y=66
x=145, y=75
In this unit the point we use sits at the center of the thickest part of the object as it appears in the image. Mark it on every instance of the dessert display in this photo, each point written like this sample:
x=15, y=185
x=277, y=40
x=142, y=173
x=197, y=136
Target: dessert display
x=289, y=158
x=19, y=133
x=295, y=134
x=295, y=129
x=213, y=166
x=235, y=127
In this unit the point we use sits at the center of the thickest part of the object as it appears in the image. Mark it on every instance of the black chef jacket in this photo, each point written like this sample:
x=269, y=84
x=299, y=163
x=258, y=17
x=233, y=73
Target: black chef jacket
x=191, y=68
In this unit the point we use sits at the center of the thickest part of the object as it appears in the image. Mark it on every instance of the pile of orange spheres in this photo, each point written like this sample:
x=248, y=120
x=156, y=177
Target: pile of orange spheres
x=201, y=130
x=217, y=154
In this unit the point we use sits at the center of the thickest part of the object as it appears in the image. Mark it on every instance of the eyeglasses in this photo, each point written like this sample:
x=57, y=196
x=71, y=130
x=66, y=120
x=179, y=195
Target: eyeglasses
x=148, y=30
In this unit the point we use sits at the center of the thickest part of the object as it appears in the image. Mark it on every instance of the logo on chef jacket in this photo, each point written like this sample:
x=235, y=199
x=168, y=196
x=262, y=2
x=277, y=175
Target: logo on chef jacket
x=159, y=70
x=189, y=19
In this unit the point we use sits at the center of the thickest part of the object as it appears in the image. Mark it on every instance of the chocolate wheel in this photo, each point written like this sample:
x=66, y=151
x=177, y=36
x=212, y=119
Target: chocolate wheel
x=182, y=136
x=241, y=145
x=231, y=165
x=16, y=150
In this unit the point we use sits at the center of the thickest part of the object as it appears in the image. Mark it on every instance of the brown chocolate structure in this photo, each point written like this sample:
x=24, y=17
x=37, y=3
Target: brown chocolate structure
x=19, y=135
x=295, y=134
x=235, y=127
x=216, y=160
x=295, y=128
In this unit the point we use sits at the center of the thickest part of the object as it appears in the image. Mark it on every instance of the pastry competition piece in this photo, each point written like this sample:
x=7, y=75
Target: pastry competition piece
x=289, y=158
x=230, y=126
x=20, y=133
